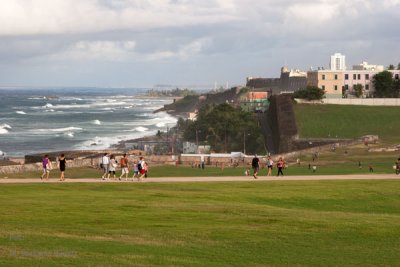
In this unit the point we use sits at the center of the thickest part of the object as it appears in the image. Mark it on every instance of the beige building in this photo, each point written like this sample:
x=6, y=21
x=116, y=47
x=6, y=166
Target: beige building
x=330, y=81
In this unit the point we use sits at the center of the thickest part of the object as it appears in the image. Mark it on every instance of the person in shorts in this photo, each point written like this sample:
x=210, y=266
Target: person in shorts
x=112, y=167
x=124, y=167
x=135, y=170
x=270, y=164
x=46, y=163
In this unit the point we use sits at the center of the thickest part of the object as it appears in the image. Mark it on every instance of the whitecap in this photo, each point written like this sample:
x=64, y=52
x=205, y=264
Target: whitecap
x=160, y=124
x=20, y=112
x=3, y=128
x=69, y=134
x=59, y=130
x=96, y=122
x=141, y=129
x=48, y=105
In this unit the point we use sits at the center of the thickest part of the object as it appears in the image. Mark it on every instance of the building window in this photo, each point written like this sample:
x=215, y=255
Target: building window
x=346, y=87
x=335, y=87
x=354, y=76
x=323, y=87
x=367, y=76
x=367, y=87
x=359, y=76
x=336, y=77
x=323, y=76
x=346, y=76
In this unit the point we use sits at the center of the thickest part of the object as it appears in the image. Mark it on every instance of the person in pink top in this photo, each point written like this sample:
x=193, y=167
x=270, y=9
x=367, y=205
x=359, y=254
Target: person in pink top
x=280, y=164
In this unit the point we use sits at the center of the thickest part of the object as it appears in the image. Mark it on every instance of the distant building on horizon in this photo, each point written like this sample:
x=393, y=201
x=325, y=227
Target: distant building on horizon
x=338, y=62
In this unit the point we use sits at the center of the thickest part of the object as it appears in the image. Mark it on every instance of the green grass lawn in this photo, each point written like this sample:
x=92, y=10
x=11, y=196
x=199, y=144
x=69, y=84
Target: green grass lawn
x=329, y=223
x=323, y=121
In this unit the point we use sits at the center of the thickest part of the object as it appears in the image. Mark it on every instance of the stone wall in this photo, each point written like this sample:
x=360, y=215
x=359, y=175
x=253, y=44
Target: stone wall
x=85, y=162
x=355, y=101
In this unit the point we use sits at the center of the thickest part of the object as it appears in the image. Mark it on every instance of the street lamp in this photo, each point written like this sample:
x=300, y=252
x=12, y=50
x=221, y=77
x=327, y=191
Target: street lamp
x=244, y=142
x=197, y=140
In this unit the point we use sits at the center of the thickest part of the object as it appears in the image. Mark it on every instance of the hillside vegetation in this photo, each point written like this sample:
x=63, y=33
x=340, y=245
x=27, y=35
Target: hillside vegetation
x=192, y=102
x=331, y=121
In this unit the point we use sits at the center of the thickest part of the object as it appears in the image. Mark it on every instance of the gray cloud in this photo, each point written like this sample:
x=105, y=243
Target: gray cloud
x=142, y=43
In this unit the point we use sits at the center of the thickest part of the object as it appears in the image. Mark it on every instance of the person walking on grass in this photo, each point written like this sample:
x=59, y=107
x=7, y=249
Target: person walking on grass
x=270, y=164
x=61, y=166
x=105, y=164
x=46, y=163
x=124, y=167
x=280, y=165
x=141, y=169
x=135, y=170
x=113, y=167
x=255, y=164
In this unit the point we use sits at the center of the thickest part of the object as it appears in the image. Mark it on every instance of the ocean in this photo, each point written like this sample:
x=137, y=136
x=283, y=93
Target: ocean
x=42, y=120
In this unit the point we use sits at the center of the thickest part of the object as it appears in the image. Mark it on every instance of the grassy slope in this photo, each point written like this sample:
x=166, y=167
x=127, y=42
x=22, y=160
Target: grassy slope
x=318, y=121
x=336, y=223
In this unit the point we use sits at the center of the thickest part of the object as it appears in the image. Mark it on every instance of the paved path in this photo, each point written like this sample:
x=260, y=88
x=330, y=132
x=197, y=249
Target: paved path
x=213, y=179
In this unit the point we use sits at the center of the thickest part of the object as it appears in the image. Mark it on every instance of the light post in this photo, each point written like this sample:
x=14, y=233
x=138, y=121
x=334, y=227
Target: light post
x=197, y=141
x=244, y=142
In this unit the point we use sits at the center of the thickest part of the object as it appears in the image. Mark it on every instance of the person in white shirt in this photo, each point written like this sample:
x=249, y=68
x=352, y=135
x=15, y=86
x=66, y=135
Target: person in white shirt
x=112, y=167
x=270, y=163
x=105, y=164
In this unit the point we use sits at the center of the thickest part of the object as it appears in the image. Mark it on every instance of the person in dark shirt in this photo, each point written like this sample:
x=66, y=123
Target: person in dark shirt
x=255, y=164
x=61, y=165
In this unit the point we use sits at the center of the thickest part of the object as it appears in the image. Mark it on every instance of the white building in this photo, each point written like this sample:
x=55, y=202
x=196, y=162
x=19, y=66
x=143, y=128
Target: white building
x=365, y=66
x=338, y=62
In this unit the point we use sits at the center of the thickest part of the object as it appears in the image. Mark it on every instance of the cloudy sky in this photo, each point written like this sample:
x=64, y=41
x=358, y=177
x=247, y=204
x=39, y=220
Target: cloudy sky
x=141, y=43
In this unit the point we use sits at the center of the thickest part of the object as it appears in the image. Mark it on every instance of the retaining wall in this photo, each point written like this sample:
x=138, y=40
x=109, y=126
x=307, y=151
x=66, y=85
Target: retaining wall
x=355, y=101
x=84, y=162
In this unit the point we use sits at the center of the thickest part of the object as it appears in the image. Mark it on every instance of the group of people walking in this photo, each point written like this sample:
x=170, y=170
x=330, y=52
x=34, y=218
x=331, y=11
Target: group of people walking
x=109, y=165
x=47, y=167
x=255, y=164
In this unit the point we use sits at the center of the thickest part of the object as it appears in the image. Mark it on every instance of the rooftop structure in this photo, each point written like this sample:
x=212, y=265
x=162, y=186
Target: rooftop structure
x=365, y=66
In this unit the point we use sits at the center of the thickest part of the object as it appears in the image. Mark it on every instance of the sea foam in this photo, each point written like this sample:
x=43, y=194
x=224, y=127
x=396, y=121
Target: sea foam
x=3, y=128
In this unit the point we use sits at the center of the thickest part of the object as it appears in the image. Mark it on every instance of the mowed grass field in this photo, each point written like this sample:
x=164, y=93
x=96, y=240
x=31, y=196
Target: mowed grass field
x=329, y=223
x=341, y=121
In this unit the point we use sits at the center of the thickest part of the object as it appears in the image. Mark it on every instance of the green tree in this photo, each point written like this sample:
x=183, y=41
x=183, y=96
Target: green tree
x=357, y=88
x=396, y=88
x=383, y=84
x=391, y=67
x=398, y=66
x=310, y=93
x=224, y=129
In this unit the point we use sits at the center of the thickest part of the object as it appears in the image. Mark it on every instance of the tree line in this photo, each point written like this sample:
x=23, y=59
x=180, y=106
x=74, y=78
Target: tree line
x=225, y=129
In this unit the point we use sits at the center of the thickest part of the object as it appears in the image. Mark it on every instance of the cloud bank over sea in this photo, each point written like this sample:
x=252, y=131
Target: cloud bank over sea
x=142, y=43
